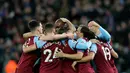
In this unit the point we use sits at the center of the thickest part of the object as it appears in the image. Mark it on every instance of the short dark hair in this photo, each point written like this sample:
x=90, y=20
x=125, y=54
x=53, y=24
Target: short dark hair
x=48, y=27
x=33, y=24
x=63, y=29
x=87, y=33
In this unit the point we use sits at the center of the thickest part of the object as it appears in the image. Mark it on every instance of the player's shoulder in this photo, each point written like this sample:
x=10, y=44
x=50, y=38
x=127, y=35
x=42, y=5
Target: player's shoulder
x=32, y=39
x=81, y=40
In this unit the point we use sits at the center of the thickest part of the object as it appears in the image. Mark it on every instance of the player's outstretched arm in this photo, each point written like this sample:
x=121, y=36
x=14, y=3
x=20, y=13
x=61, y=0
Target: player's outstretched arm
x=76, y=56
x=28, y=34
x=38, y=44
x=81, y=45
x=87, y=58
x=114, y=54
x=91, y=54
x=57, y=36
x=84, y=59
x=30, y=48
x=71, y=26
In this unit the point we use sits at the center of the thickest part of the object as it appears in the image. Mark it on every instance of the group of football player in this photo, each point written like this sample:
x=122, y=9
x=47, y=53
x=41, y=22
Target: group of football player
x=61, y=48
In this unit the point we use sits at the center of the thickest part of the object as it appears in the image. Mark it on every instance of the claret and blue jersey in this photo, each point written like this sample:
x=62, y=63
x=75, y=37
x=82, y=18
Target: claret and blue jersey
x=27, y=60
x=104, y=35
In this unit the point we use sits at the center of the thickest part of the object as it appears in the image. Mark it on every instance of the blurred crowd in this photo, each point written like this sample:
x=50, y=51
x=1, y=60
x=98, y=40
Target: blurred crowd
x=113, y=15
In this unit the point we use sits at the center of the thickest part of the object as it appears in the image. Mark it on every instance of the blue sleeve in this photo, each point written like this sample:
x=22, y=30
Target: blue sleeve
x=75, y=36
x=79, y=44
x=83, y=44
x=93, y=48
x=39, y=43
x=104, y=34
x=72, y=43
x=110, y=46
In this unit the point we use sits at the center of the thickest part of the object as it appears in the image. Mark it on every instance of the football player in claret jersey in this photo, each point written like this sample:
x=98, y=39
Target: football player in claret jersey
x=84, y=65
x=27, y=60
x=103, y=35
x=101, y=57
x=49, y=63
x=71, y=52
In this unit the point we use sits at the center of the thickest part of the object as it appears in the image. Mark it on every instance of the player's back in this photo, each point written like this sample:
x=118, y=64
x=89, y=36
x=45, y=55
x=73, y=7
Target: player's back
x=27, y=60
x=85, y=67
x=49, y=62
x=102, y=58
x=66, y=63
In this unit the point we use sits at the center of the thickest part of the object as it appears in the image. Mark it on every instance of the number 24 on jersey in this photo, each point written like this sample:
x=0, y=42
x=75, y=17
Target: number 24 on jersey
x=50, y=53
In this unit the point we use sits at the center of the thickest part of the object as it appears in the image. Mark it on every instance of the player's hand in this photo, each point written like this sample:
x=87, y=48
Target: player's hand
x=93, y=23
x=73, y=65
x=59, y=53
x=64, y=19
x=94, y=41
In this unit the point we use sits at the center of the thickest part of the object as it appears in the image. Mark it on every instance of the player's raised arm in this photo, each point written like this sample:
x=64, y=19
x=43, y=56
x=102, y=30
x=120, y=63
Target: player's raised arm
x=71, y=26
x=103, y=34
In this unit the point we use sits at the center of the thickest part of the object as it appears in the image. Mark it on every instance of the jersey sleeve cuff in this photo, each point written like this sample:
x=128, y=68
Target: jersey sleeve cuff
x=93, y=51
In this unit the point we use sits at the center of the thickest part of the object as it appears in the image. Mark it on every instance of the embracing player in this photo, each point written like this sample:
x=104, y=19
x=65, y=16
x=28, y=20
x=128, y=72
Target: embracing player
x=104, y=36
x=104, y=51
x=27, y=60
x=84, y=65
x=75, y=53
x=49, y=62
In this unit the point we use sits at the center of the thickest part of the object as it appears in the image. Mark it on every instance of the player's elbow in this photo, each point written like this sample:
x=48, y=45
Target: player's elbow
x=79, y=55
x=91, y=55
x=91, y=58
x=116, y=56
